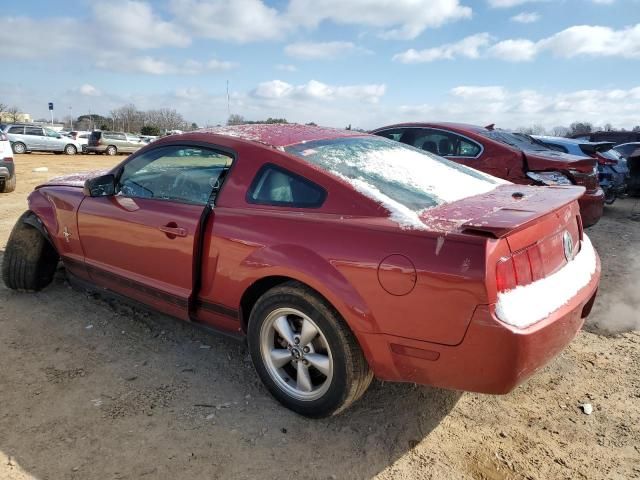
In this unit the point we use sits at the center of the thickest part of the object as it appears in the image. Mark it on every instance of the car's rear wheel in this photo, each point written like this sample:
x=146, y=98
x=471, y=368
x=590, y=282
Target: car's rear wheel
x=8, y=184
x=19, y=147
x=305, y=353
x=29, y=261
x=70, y=149
x=111, y=150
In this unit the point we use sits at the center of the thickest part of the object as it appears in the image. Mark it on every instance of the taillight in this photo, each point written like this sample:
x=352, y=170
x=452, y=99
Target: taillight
x=606, y=161
x=7, y=159
x=587, y=180
x=521, y=268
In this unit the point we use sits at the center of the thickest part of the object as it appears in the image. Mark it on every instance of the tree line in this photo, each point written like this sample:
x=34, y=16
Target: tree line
x=576, y=128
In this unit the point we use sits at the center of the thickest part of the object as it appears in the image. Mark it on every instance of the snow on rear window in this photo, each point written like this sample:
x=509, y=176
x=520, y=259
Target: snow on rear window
x=403, y=179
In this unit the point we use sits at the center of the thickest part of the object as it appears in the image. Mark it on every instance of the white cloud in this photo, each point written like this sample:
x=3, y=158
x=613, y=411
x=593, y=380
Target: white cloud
x=89, y=90
x=518, y=50
x=238, y=21
x=155, y=66
x=580, y=40
x=18, y=40
x=526, y=17
x=469, y=47
x=509, y=3
x=399, y=19
x=133, y=24
x=321, y=50
x=314, y=90
x=482, y=105
x=285, y=67
x=594, y=41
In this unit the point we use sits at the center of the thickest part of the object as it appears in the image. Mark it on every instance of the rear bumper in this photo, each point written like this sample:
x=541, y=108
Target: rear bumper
x=591, y=207
x=492, y=358
x=6, y=170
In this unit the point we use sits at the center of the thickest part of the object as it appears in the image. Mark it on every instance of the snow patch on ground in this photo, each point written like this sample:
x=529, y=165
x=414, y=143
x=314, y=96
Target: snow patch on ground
x=526, y=305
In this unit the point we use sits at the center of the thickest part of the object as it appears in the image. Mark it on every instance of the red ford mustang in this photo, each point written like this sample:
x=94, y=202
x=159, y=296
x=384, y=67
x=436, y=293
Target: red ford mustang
x=512, y=156
x=338, y=255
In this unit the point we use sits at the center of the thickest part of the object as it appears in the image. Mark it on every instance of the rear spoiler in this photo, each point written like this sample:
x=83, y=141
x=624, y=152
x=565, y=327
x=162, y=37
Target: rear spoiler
x=593, y=147
x=522, y=213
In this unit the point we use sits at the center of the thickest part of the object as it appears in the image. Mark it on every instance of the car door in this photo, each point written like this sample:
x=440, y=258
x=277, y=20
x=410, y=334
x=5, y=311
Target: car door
x=141, y=241
x=54, y=142
x=34, y=138
x=133, y=143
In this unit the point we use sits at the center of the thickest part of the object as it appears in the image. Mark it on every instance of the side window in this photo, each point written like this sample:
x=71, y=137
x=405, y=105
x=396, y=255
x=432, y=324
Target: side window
x=19, y=130
x=51, y=133
x=175, y=173
x=393, y=134
x=443, y=143
x=276, y=186
x=35, y=131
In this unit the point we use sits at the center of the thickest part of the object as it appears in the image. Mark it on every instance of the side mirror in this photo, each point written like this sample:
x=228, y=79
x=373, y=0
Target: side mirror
x=102, y=186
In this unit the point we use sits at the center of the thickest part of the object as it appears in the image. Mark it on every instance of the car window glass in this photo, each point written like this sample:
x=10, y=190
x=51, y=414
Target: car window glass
x=51, y=133
x=440, y=142
x=19, y=130
x=276, y=186
x=183, y=174
x=37, y=131
x=393, y=134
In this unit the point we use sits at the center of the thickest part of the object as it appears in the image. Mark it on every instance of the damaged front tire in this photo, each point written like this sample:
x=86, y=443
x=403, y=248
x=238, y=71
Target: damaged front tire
x=30, y=261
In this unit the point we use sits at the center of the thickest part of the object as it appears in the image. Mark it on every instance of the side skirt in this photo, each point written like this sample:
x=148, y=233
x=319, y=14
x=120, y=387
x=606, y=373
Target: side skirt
x=83, y=285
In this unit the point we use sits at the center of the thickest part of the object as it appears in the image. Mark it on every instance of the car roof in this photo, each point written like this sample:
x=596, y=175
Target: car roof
x=279, y=134
x=451, y=125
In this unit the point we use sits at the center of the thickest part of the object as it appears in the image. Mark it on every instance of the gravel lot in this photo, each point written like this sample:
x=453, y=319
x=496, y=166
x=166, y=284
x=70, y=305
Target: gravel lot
x=92, y=389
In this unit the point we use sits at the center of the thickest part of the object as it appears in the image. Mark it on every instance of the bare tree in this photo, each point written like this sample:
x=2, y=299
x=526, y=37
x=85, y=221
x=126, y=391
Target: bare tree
x=559, y=131
x=3, y=108
x=14, y=114
x=235, y=119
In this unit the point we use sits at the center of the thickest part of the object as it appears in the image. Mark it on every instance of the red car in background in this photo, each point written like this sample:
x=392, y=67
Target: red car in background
x=337, y=255
x=511, y=156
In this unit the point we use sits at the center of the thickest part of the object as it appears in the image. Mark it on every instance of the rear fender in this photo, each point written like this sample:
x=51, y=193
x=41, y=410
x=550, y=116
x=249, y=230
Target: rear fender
x=308, y=267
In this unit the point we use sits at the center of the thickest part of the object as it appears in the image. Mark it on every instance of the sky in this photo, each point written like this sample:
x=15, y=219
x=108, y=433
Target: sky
x=366, y=63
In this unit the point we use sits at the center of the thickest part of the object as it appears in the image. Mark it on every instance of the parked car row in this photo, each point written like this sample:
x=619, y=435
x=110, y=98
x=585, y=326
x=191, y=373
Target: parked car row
x=7, y=167
x=337, y=255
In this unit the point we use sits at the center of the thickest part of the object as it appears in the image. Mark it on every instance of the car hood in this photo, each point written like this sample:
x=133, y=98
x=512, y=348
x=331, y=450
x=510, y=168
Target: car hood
x=552, y=160
x=72, y=180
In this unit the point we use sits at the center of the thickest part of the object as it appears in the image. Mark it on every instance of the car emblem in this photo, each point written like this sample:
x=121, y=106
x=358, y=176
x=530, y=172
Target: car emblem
x=567, y=242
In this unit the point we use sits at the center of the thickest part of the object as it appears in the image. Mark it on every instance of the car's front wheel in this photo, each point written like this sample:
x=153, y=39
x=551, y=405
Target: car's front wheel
x=70, y=149
x=305, y=353
x=29, y=261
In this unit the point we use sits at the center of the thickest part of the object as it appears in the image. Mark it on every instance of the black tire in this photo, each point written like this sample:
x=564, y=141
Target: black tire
x=111, y=150
x=8, y=185
x=30, y=261
x=351, y=374
x=19, y=147
x=70, y=149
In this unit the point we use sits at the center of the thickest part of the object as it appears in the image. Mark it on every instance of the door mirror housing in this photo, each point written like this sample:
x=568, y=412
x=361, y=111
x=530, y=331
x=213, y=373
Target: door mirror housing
x=102, y=186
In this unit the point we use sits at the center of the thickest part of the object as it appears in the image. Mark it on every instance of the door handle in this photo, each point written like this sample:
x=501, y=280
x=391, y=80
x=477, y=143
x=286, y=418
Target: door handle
x=172, y=230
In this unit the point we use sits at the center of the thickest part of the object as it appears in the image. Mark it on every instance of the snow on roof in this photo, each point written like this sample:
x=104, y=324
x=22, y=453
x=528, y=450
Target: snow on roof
x=529, y=304
x=280, y=134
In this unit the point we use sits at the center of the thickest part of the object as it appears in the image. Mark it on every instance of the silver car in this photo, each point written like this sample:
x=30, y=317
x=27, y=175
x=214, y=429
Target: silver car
x=34, y=138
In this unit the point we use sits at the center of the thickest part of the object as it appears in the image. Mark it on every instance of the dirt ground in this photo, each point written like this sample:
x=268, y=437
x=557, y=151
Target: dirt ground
x=92, y=389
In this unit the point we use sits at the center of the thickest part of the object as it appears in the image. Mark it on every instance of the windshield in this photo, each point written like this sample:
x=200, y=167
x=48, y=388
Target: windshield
x=520, y=141
x=403, y=179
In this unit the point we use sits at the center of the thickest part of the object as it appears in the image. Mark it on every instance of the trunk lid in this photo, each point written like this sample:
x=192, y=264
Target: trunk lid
x=541, y=160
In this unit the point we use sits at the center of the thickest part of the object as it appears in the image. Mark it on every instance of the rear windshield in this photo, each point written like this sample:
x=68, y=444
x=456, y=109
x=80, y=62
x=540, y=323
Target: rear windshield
x=96, y=134
x=520, y=141
x=402, y=178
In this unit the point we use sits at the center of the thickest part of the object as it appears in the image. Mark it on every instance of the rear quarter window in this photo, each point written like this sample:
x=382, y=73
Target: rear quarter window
x=276, y=186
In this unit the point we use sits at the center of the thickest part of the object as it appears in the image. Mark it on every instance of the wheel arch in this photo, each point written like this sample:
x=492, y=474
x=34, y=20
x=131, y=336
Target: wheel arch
x=288, y=263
